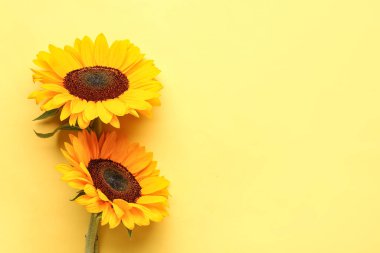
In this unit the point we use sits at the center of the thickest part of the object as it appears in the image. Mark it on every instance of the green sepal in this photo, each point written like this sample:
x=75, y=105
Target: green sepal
x=129, y=233
x=63, y=127
x=80, y=193
x=47, y=114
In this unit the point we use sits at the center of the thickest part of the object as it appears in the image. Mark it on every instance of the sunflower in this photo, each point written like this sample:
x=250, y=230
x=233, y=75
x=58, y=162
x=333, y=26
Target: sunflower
x=93, y=80
x=115, y=178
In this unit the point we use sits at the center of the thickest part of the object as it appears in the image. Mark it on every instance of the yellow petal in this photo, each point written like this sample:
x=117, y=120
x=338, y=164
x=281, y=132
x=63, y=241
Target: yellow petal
x=82, y=122
x=114, y=221
x=90, y=190
x=115, y=106
x=78, y=105
x=95, y=207
x=151, y=199
x=151, y=211
x=84, y=168
x=43, y=60
x=62, y=62
x=73, y=119
x=127, y=217
x=106, y=215
x=139, y=216
x=86, y=200
x=140, y=164
x=63, y=168
x=90, y=111
x=65, y=113
x=152, y=184
x=104, y=115
x=150, y=85
x=69, y=157
x=102, y=196
x=101, y=50
x=41, y=95
x=76, y=184
x=128, y=220
x=72, y=175
x=54, y=87
x=57, y=101
x=143, y=71
x=134, y=113
x=87, y=51
x=117, y=53
x=146, y=113
x=137, y=104
x=133, y=57
x=148, y=170
x=46, y=76
x=74, y=53
x=124, y=205
x=62, y=98
x=118, y=211
x=115, y=122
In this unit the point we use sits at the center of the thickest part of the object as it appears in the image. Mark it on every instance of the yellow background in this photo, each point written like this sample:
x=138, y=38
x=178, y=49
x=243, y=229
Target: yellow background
x=269, y=128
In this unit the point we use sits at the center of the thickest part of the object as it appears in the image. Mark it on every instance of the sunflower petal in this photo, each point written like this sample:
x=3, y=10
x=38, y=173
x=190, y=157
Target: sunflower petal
x=104, y=115
x=106, y=215
x=134, y=56
x=62, y=62
x=62, y=98
x=115, y=122
x=90, y=190
x=73, y=119
x=138, y=104
x=128, y=220
x=95, y=207
x=117, y=53
x=151, y=199
x=101, y=50
x=90, y=111
x=153, y=184
x=118, y=211
x=115, y=106
x=82, y=122
x=78, y=105
x=65, y=112
x=54, y=87
x=87, y=51
x=102, y=196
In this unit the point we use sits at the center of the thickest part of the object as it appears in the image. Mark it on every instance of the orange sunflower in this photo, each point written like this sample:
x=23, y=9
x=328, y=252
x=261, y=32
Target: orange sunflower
x=116, y=178
x=94, y=80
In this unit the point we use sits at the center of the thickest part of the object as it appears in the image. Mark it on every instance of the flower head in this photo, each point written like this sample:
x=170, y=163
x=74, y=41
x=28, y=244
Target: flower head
x=116, y=178
x=94, y=80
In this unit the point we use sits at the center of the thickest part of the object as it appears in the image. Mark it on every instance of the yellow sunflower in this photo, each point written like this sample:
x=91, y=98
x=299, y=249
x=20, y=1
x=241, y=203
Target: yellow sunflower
x=116, y=178
x=92, y=79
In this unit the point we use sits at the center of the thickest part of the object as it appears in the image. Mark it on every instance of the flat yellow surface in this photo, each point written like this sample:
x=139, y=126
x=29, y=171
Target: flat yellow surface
x=269, y=128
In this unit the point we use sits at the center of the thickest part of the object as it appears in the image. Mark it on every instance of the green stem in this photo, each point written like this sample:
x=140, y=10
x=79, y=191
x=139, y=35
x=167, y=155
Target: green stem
x=97, y=245
x=92, y=242
x=97, y=126
x=92, y=245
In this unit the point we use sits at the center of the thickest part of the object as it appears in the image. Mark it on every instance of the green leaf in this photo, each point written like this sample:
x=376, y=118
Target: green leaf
x=47, y=114
x=129, y=233
x=63, y=127
x=80, y=193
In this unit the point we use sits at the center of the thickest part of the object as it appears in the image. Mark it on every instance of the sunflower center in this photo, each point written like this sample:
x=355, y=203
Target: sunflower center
x=96, y=83
x=114, y=180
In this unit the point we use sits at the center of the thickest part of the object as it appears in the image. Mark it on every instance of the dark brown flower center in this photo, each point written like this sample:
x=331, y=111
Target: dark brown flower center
x=114, y=180
x=96, y=83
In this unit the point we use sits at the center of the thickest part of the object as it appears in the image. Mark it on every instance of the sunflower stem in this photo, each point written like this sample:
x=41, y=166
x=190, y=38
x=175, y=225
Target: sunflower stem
x=97, y=127
x=92, y=244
